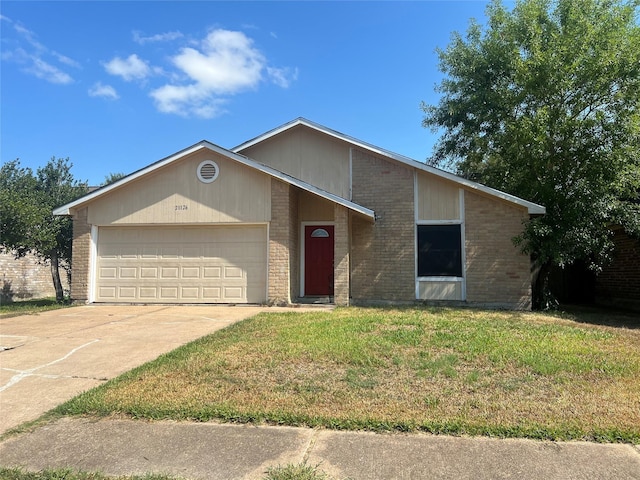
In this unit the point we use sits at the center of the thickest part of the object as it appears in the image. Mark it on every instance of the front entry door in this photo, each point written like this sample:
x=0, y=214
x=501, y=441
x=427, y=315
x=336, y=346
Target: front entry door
x=318, y=260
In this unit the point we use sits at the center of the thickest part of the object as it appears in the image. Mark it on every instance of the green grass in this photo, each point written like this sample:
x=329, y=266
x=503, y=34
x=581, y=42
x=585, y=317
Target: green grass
x=286, y=472
x=300, y=471
x=69, y=474
x=30, y=307
x=454, y=371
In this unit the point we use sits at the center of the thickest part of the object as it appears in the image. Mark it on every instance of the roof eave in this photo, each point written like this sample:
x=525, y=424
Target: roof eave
x=66, y=209
x=532, y=208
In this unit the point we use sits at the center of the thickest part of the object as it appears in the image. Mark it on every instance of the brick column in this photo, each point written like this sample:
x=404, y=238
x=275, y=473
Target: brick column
x=80, y=256
x=341, y=256
x=279, y=237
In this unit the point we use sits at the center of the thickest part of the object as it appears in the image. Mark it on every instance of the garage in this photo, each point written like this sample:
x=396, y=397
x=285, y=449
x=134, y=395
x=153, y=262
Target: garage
x=186, y=264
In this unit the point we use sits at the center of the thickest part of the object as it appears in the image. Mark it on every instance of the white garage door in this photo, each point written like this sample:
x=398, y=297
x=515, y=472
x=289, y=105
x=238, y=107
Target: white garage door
x=225, y=264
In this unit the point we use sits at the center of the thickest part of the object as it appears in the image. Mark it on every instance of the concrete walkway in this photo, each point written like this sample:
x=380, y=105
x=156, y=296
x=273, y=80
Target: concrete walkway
x=213, y=451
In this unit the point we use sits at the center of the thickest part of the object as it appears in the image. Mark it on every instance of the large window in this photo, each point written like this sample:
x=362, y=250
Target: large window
x=439, y=251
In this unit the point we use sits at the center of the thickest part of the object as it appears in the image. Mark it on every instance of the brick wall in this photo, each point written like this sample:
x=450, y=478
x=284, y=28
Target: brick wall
x=341, y=256
x=280, y=236
x=26, y=278
x=619, y=283
x=294, y=243
x=382, y=254
x=80, y=256
x=497, y=273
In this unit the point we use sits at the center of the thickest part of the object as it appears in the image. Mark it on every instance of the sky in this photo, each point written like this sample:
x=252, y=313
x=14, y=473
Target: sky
x=117, y=85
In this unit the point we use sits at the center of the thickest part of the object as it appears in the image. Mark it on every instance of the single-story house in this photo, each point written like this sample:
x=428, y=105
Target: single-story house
x=298, y=213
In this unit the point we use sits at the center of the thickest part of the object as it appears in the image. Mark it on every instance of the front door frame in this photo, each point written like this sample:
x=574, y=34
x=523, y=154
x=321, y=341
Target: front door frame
x=302, y=246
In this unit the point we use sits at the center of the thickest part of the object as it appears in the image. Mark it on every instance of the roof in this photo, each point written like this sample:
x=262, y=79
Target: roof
x=235, y=155
x=533, y=208
x=65, y=209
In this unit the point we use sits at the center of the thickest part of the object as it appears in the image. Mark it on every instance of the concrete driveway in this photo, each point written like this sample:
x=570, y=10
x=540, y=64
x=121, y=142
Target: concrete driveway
x=49, y=358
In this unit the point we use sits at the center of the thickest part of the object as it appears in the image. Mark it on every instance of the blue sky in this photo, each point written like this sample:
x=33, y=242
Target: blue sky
x=115, y=86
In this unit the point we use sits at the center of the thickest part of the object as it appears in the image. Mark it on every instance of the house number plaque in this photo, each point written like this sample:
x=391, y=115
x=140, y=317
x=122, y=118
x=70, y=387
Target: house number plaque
x=181, y=208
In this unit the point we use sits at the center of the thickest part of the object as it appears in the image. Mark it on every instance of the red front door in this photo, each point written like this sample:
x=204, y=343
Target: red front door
x=318, y=260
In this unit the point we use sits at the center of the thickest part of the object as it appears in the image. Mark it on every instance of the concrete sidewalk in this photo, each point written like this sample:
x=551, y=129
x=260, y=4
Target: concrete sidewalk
x=220, y=451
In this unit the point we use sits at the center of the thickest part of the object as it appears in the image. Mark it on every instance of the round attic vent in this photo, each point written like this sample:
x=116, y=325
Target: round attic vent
x=208, y=171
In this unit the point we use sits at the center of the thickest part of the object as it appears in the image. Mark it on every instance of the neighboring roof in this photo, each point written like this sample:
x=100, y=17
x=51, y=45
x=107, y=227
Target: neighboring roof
x=533, y=208
x=65, y=209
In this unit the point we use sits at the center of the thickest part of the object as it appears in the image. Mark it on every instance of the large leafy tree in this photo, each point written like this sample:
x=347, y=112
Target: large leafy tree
x=544, y=102
x=26, y=219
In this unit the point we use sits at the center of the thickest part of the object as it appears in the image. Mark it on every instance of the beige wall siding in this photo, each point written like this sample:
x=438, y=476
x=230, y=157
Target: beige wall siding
x=315, y=209
x=440, y=290
x=81, y=255
x=383, y=254
x=174, y=195
x=497, y=273
x=308, y=155
x=438, y=199
x=341, y=256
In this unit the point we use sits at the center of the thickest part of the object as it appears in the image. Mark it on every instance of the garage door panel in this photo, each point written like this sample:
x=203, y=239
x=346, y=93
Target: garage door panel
x=148, y=272
x=212, y=272
x=169, y=293
x=127, y=293
x=191, y=265
x=190, y=272
x=169, y=272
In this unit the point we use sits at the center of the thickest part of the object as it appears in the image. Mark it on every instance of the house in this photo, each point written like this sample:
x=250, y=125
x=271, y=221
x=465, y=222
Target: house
x=618, y=285
x=299, y=212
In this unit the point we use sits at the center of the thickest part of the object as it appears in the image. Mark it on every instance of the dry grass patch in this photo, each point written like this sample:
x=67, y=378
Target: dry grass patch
x=437, y=370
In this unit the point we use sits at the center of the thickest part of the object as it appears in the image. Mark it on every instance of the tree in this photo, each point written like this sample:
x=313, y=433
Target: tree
x=113, y=177
x=544, y=103
x=26, y=218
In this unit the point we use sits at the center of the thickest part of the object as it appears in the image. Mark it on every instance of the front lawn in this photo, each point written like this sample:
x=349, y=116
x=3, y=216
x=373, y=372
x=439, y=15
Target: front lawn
x=30, y=307
x=456, y=371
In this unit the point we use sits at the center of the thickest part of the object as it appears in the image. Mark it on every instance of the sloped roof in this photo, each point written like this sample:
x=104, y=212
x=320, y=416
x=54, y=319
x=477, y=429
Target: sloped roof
x=533, y=208
x=65, y=209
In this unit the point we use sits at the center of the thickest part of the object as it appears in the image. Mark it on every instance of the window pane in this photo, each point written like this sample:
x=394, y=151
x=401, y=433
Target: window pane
x=439, y=251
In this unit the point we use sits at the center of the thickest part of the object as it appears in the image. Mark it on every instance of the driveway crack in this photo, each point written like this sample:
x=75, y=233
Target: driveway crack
x=27, y=373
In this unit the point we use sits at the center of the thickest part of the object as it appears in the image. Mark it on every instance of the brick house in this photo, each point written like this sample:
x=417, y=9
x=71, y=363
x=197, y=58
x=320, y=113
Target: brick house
x=618, y=285
x=300, y=212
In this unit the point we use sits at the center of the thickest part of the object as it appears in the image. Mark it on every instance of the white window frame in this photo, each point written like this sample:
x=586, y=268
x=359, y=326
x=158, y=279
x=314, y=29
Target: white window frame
x=463, y=259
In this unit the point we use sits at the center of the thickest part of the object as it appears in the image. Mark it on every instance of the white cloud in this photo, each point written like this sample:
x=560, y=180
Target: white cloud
x=187, y=100
x=35, y=58
x=66, y=60
x=225, y=63
x=160, y=37
x=130, y=68
x=104, y=91
x=48, y=72
x=283, y=77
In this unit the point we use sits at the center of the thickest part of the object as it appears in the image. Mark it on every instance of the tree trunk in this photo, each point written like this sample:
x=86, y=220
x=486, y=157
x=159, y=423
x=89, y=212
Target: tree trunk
x=541, y=297
x=55, y=275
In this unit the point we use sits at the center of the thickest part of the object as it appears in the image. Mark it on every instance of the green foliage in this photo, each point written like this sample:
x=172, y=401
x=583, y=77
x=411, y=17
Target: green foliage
x=544, y=103
x=26, y=211
x=296, y=472
x=29, y=307
x=113, y=177
x=70, y=474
